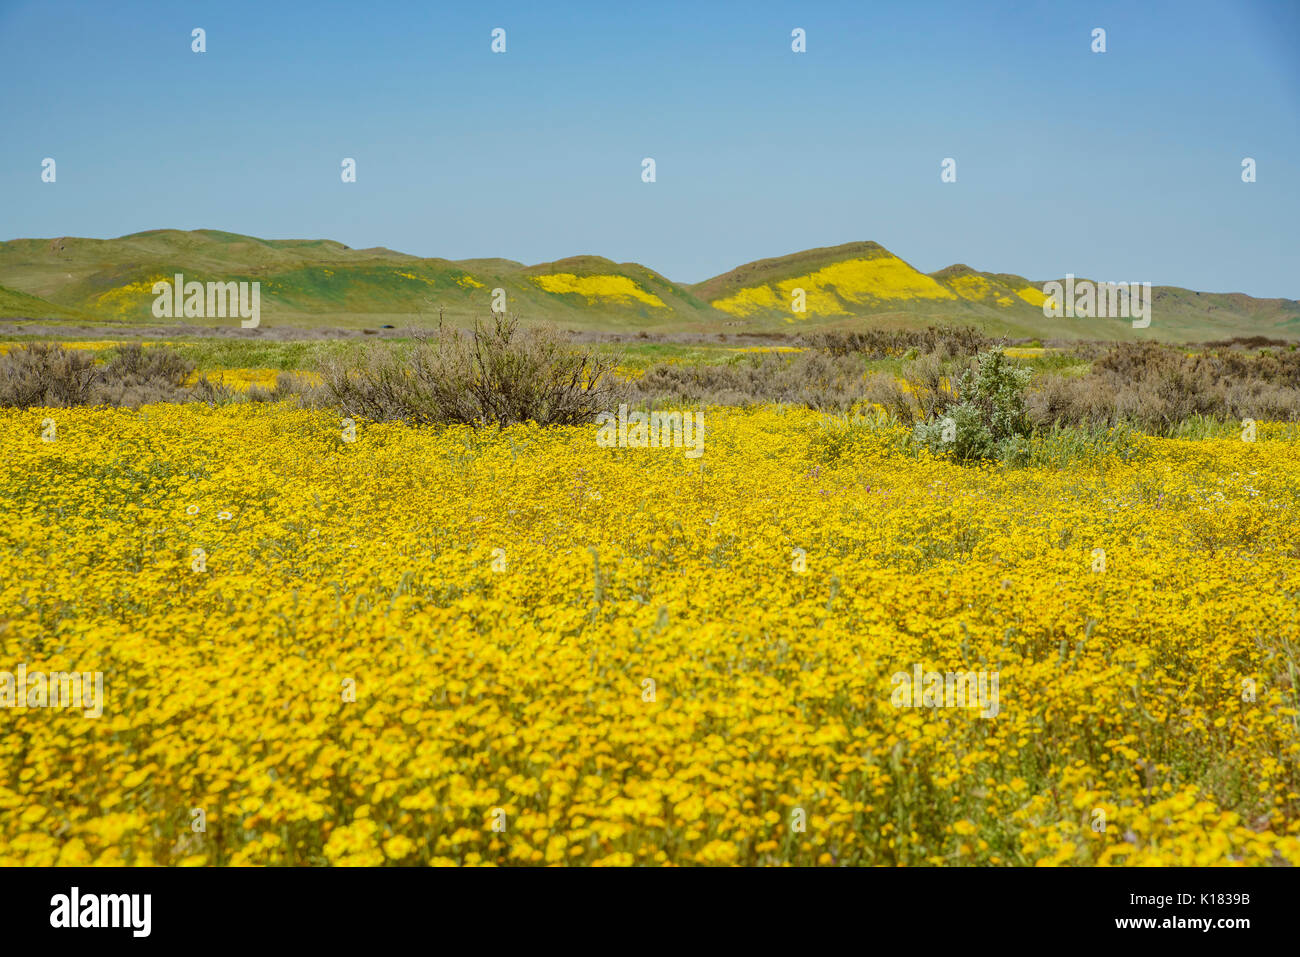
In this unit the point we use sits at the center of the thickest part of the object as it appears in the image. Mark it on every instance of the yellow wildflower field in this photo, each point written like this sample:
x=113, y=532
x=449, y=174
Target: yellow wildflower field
x=449, y=646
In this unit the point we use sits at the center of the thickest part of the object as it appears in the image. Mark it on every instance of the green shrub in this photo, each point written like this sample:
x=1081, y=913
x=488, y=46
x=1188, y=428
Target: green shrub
x=987, y=415
x=1065, y=446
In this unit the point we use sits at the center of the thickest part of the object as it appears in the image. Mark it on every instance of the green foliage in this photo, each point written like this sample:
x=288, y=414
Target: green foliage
x=987, y=416
x=1064, y=446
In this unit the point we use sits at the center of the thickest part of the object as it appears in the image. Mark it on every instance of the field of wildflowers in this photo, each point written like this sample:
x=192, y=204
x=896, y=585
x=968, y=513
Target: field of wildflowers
x=457, y=646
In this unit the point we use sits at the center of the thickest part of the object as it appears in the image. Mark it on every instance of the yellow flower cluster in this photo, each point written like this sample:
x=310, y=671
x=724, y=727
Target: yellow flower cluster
x=979, y=288
x=827, y=289
x=132, y=297
x=244, y=379
x=597, y=289
x=449, y=646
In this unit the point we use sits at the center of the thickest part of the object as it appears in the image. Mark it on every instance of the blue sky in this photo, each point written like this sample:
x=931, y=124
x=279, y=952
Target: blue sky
x=1123, y=166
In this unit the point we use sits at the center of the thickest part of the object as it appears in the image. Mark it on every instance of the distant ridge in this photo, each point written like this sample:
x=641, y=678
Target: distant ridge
x=320, y=282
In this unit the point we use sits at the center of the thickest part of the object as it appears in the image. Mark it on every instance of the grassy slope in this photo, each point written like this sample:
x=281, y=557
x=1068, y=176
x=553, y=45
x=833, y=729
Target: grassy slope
x=19, y=304
x=320, y=282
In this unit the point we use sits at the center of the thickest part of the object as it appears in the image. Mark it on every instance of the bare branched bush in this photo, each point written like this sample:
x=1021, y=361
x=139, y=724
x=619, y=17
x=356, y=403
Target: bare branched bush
x=52, y=375
x=288, y=385
x=134, y=376
x=882, y=389
x=213, y=392
x=814, y=379
x=496, y=374
x=1156, y=388
x=946, y=342
x=929, y=385
x=47, y=376
x=132, y=364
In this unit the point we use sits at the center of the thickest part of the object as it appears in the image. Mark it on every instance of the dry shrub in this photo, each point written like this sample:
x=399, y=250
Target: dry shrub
x=134, y=376
x=209, y=391
x=818, y=380
x=54, y=376
x=929, y=386
x=288, y=385
x=1248, y=342
x=132, y=364
x=495, y=375
x=884, y=390
x=40, y=375
x=1155, y=388
x=946, y=342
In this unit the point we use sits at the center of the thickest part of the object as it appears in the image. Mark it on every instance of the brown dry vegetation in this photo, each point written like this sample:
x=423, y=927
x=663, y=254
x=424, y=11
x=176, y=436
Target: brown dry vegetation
x=1156, y=388
x=497, y=374
x=52, y=376
x=500, y=374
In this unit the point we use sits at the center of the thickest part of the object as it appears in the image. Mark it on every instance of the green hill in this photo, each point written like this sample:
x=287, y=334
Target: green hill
x=834, y=285
x=15, y=304
x=842, y=285
x=325, y=283
x=314, y=282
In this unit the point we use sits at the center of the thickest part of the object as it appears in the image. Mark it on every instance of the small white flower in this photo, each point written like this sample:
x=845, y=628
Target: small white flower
x=223, y=516
x=192, y=510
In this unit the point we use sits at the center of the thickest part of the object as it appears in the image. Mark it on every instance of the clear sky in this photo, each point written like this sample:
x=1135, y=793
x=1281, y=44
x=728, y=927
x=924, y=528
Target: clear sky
x=1123, y=166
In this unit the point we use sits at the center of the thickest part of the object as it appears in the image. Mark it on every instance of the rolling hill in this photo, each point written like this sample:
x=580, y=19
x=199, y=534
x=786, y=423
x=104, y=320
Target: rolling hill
x=325, y=283
x=15, y=303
